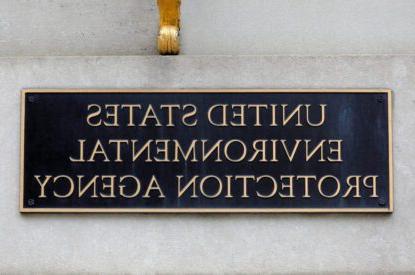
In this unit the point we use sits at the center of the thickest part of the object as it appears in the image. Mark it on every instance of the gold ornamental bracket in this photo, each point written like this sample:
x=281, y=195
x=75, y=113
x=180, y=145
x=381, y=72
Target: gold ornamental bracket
x=168, y=38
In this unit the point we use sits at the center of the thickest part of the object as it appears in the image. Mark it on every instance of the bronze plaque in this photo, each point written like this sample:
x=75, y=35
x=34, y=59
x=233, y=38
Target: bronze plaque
x=206, y=151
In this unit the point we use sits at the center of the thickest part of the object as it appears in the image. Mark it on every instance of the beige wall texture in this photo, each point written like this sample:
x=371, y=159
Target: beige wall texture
x=226, y=44
x=277, y=27
x=219, y=243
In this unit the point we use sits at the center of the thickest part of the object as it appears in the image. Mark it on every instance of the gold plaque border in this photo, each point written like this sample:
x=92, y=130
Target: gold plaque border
x=205, y=210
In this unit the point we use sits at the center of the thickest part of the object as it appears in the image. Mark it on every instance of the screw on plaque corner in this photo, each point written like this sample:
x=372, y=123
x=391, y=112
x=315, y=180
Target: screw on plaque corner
x=31, y=98
x=380, y=99
x=381, y=202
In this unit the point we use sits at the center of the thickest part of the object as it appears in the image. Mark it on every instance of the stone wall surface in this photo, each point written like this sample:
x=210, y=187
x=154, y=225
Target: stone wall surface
x=220, y=243
x=129, y=27
x=78, y=27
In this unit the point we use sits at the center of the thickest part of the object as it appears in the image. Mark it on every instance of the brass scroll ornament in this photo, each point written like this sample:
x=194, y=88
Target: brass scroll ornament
x=168, y=38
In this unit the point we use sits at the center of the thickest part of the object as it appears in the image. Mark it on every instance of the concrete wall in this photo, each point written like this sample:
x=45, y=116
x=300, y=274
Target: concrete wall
x=351, y=44
x=110, y=243
x=78, y=27
x=129, y=27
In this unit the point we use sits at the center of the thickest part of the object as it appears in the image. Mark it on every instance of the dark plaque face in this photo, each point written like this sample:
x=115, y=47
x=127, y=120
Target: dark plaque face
x=206, y=151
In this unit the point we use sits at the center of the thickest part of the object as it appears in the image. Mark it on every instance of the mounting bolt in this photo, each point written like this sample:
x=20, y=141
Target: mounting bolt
x=380, y=99
x=31, y=98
